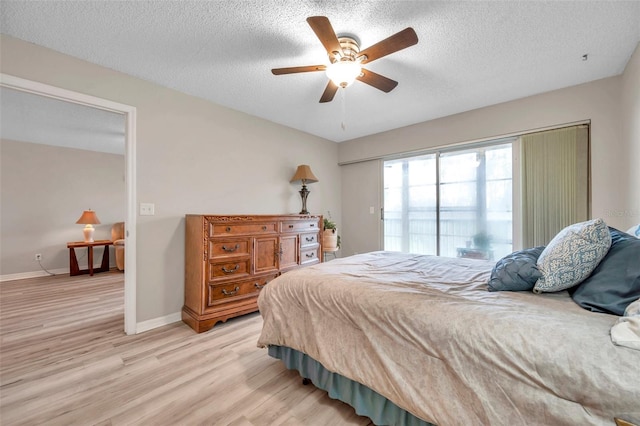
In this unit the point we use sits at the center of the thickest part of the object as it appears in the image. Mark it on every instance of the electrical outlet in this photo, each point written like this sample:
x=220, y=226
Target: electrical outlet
x=38, y=257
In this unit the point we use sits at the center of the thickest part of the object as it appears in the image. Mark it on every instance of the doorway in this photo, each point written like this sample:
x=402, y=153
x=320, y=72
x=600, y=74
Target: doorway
x=129, y=114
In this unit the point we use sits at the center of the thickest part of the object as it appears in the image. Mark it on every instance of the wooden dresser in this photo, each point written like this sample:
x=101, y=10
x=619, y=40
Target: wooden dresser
x=229, y=259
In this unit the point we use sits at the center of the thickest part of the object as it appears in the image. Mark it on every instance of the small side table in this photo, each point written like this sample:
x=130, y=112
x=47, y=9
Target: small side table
x=73, y=260
x=331, y=252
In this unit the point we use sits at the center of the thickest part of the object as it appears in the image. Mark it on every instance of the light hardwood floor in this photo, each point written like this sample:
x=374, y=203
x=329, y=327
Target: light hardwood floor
x=65, y=360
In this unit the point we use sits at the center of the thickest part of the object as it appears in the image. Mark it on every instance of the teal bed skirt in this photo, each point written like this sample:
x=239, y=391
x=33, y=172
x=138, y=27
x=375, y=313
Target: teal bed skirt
x=364, y=400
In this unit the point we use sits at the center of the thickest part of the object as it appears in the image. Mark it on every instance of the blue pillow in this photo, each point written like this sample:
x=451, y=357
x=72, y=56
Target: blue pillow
x=516, y=271
x=615, y=283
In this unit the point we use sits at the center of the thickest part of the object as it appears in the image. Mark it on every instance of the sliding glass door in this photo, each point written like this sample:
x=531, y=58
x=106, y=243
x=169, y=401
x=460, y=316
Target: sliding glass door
x=455, y=203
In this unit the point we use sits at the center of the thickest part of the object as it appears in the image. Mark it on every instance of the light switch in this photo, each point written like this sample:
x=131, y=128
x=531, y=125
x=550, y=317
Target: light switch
x=147, y=209
x=372, y=210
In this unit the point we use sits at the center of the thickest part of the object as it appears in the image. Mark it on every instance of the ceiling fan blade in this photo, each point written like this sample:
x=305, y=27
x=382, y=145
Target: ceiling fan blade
x=293, y=70
x=398, y=41
x=323, y=29
x=378, y=81
x=329, y=92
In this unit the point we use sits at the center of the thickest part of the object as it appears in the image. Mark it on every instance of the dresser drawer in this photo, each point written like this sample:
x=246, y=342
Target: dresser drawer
x=311, y=255
x=228, y=248
x=224, y=293
x=309, y=239
x=231, y=269
x=221, y=229
x=299, y=226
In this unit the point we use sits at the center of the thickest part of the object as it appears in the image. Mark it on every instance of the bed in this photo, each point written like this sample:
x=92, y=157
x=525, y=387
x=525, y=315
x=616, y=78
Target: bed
x=415, y=340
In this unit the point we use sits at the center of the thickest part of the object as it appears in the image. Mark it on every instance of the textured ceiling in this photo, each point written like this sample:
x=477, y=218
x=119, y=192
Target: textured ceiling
x=469, y=54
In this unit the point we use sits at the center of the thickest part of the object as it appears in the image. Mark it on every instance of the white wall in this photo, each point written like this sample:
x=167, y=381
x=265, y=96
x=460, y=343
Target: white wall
x=630, y=115
x=614, y=146
x=45, y=189
x=361, y=183
x=192, y=157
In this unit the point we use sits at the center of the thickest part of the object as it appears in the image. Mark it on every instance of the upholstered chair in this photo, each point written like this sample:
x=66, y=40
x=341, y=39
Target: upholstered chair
x=117, y=236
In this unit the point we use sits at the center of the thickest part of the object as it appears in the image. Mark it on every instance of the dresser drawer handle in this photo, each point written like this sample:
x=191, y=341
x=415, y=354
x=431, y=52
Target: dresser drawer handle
x=228, y=229
x=309, y=239
x=228, y=271
x=290, y=226
x=231, y=249
x=259, y=286
x=310, y=255
x=264, y=228
x=232, y=292
x=312, y=225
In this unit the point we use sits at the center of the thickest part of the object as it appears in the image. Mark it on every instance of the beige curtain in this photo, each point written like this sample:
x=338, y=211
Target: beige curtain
x=555, y=182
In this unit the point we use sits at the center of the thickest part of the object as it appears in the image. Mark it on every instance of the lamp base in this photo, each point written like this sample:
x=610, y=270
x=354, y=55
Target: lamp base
x=88, y=233
x=304, y=193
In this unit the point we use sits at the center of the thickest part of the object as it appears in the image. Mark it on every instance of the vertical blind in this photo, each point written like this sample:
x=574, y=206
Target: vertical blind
x=555, y=182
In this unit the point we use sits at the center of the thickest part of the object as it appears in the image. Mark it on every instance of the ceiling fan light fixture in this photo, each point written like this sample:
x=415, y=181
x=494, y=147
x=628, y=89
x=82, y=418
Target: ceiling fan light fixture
x=347, y=59
x=343, y=73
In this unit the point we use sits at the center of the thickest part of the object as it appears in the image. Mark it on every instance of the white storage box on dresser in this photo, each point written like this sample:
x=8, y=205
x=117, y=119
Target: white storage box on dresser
x=229, y=259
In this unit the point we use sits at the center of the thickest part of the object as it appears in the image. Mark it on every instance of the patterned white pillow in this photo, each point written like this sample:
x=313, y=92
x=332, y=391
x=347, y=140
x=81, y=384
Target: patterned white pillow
x=572, y=255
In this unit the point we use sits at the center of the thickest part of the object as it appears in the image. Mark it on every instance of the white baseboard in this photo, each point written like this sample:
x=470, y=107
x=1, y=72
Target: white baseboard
x=42, y=273
x=143, y=326
x=32, y=274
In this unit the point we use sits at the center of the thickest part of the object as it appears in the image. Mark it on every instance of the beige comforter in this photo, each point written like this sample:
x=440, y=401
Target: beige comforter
x=424, y=332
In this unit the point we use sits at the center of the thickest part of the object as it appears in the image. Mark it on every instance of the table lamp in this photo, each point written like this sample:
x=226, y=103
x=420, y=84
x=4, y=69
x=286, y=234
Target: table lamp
x=89, y=219
x=304, y=175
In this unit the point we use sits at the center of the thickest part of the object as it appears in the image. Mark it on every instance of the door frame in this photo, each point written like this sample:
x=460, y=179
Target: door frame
x=129, y=112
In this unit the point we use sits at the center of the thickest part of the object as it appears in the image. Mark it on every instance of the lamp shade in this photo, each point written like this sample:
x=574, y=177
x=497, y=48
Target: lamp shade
x=304, y=174
x=88, y=218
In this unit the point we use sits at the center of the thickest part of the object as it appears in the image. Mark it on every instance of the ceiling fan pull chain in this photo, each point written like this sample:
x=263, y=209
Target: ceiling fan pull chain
x=344, y=110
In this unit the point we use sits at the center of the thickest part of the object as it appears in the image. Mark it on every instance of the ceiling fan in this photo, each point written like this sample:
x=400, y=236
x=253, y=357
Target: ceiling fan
x=346, y=58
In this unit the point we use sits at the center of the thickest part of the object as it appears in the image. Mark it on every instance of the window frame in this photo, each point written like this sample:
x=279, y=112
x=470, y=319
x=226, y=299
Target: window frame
x=515, y=153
